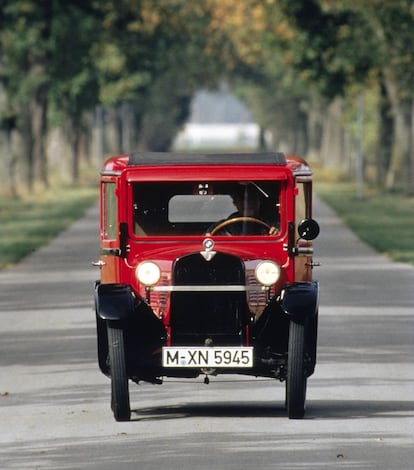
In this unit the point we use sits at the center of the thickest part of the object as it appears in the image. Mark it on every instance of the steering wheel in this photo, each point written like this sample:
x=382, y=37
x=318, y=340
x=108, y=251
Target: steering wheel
x=237, y=220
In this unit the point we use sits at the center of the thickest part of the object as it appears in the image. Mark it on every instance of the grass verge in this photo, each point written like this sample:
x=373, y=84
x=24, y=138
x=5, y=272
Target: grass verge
x=384, y=221
x=30, y=222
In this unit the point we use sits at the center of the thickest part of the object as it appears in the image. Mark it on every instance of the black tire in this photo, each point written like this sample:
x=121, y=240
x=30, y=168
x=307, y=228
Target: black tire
x=119, y=378
x=102, y=345
x=296, y=380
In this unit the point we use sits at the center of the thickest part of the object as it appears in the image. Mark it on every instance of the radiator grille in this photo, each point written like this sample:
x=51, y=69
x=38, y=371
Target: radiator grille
x=196, y=316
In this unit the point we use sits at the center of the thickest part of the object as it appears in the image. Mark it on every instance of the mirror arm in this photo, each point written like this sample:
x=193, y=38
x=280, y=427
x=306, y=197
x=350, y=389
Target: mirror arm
x=292, y=250
x=123, y=237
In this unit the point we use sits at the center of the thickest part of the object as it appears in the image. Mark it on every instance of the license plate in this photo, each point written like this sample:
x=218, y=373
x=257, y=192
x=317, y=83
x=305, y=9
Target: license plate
x=208, y=357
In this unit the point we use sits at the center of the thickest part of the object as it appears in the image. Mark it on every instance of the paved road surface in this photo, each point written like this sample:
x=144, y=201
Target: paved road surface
x=54, y=403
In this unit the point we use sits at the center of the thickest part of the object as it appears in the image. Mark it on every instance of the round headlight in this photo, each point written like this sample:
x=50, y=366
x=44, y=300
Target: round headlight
x=267, y=273
x=148, y=273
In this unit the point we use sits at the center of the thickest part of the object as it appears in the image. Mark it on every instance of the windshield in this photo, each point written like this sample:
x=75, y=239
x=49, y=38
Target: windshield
x=197, y=208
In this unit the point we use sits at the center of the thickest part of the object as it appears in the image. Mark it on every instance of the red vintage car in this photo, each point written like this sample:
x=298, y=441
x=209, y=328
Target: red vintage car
x=206, y=269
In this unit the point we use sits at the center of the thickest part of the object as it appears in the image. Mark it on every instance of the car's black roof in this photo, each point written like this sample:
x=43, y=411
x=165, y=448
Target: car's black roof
x=169, y=158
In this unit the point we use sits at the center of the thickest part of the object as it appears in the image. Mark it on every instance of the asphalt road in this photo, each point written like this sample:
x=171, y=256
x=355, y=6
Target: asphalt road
x=54, y=402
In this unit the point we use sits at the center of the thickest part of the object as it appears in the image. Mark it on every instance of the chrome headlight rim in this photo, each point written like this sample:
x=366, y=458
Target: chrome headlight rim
x=267, y=273
x=148, y=273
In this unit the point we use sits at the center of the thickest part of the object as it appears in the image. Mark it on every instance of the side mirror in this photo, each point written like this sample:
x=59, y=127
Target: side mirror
x=308, y=229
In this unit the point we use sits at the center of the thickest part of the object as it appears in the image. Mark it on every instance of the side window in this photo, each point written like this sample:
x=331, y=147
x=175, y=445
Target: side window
x=302, y=209
x=108, y=211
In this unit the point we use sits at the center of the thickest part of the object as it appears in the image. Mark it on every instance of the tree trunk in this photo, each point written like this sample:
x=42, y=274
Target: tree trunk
x=400, y=167
x=314, y=134
x=118, y=127
x=386, y=136
x=9, y=181
x=262, y=144
x=411, y=172
x=74, y=133
x=401, y=164
x=26, y=133
x=74, y=147
x=333, y=138
x=39, y=126
x=8, y=125
x=125, y=128
x=301, y=133
x=99, y=133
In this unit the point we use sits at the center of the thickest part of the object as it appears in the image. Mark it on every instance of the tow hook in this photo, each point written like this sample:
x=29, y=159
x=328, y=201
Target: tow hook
x=208, y=372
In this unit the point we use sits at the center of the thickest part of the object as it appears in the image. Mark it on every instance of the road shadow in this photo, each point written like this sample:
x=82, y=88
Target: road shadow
x=316, y=410
x=210, y=410
x=359, y=409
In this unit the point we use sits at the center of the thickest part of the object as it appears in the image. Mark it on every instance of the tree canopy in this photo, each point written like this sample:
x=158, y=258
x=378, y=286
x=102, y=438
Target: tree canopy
x=291, y=60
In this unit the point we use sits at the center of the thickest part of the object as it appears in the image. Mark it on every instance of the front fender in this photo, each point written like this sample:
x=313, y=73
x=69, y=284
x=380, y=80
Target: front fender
x=114, y=301
x=300, y=300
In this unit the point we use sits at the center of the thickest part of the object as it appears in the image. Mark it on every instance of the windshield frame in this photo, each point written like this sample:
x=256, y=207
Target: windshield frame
x=278, y=178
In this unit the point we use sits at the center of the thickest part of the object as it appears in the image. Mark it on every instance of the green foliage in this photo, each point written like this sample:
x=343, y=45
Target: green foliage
x=64, y=58
x=29, y=223
x=384, y=221
x=74, y=84
x=289, y=58
x=331, y=49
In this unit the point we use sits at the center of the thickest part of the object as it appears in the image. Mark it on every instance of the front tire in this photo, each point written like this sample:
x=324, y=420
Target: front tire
x=296, y=380
x=119, y=378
